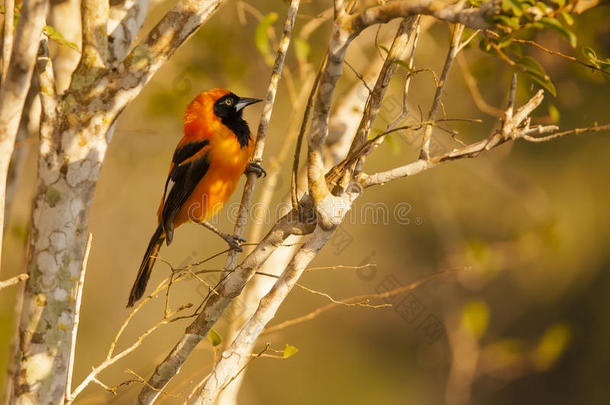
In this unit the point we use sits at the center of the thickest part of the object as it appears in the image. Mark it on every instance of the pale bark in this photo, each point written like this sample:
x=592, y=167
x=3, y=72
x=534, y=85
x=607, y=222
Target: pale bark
x=228, y=366
x=16, y=85
x=76, y=129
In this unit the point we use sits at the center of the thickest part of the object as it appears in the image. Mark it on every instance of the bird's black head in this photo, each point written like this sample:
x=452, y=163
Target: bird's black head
x=231, y=106
x=229, y=109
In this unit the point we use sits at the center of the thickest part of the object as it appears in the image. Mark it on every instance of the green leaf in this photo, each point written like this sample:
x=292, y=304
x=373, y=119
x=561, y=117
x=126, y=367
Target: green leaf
x=552, y=345
x=383, y=48
x=533, y=69
x=394, y=146
x=475, y=317
x=560, y=3
x=506, y=41
x=513, y=6
x=556, y=26
x=289, y=351
x=301, y=49
x=214, y=337
x=403, y=64
x=261, y=37
x=554, y=113
x=567, y=17
x=594, y=59
x=542, y=7
x=591, y=55
x=58, y=37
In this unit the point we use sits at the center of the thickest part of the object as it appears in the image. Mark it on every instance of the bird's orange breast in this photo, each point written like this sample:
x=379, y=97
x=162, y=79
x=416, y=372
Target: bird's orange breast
x=228, y=161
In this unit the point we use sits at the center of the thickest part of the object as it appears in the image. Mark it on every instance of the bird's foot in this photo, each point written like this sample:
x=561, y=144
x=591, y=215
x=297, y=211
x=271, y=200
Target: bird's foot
x=257, y=169
x=234, y=241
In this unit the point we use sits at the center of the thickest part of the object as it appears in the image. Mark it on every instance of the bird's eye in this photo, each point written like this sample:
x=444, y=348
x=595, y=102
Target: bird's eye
x=228, y=101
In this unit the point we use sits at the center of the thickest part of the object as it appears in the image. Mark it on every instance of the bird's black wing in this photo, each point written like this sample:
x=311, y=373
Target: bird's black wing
x=190, y=164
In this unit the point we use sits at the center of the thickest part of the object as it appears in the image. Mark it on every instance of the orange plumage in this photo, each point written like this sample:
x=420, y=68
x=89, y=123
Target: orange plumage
x=206, y=167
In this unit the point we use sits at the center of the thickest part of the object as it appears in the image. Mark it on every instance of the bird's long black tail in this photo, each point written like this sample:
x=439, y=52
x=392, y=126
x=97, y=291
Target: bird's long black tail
x=139, y=286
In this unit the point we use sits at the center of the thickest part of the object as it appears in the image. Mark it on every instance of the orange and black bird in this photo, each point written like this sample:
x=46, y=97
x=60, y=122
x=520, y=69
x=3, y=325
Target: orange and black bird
x=208, y=162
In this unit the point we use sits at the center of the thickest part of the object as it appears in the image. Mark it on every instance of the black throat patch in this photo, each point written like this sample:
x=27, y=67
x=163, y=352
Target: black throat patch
x=240, y=128
x=224, y=108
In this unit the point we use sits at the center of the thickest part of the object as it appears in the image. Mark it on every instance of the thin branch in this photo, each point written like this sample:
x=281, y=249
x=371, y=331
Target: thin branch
x=514, y=127
x=261, y=134
x=358, y=76
x=474, y=89
x=230, y=286
x=299, y=143
x=575, y=131
x=238, y=352
x=405, y=105
x=350, y=301
x=476, y=18
x=78, y=299
x=454, y=48
x=557, y=53
x=92, y=376
x=7, y=37
x=397, y=52
x=13, y=280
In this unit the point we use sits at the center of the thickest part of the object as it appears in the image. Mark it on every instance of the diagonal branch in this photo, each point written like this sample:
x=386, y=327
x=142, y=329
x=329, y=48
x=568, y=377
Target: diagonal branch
x=145, y=59
x=261, y=134
x=95, y=52
x=398, y=51
x=230, y=362
x=229, y=288
x=124, y=22
x=514, y=126
x=476, y=18
x=454, y=48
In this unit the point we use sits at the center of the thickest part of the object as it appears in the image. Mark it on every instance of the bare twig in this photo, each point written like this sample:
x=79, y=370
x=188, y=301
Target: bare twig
x=13, y=280
x=474, y=89
x=78, y=299
x=405, y=105
x=514, y=125
x=397, y=52
x=352, y=300
x=7, y=37
x=557, y=53
x=575, y=131
x=232, y=359
x=454, y=48
x=299, y=143
x=476, y=18
x=261, y=134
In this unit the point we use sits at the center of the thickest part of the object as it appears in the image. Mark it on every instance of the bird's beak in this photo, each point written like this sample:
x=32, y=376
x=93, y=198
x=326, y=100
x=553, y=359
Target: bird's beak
x=244, y=102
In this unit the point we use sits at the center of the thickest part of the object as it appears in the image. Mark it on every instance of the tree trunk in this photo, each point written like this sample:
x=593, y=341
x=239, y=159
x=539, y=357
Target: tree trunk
x=66, y=184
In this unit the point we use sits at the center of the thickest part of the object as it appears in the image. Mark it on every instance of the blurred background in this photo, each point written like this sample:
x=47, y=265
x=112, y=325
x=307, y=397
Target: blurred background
x=522, y=315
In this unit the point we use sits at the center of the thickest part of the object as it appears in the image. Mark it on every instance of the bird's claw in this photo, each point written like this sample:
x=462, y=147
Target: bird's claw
x=257, y=169
x=234, y=241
